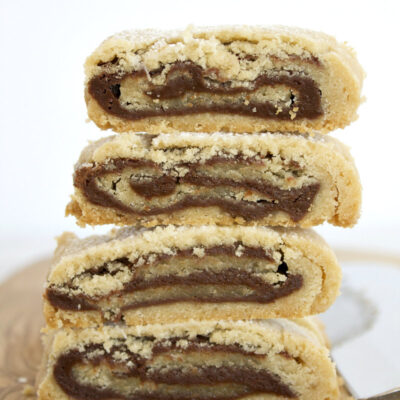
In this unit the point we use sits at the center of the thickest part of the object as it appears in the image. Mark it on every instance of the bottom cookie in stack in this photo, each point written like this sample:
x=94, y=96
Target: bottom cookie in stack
x=263, y=359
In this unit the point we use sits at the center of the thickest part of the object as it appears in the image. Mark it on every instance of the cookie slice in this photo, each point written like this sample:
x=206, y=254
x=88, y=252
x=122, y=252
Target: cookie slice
x=235, y=79
x=220, y=178
x=272, y=359
x=171, y=274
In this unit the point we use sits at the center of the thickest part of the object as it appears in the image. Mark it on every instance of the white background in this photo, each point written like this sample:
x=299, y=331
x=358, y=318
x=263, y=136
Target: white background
x=43, y=45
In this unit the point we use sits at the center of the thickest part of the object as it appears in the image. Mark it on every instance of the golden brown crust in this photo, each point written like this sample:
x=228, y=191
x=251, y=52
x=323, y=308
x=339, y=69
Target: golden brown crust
x=56, y=318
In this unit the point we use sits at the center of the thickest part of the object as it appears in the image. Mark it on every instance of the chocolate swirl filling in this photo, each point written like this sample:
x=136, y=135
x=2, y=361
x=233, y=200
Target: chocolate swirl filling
x=295, y=201
x=200, y=91
x=172, y=383
x=256, y=289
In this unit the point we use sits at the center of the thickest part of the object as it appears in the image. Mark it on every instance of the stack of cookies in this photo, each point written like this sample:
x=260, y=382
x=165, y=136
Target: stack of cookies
x=219, y=166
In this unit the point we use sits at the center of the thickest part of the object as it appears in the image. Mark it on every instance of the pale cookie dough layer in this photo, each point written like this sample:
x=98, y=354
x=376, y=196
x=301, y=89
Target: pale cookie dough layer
x=234, y=79
x=219, y=179
x=171, y=274
x=272, y=359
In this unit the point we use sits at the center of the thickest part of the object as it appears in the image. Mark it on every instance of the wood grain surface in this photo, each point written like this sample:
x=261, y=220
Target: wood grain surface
x=20, y=323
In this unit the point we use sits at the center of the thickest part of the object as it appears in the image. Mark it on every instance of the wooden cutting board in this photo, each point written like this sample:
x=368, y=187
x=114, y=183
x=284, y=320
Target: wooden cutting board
x=20, y=323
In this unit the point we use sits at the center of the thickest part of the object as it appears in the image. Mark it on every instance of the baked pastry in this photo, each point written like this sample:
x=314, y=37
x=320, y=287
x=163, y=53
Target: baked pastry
x=235, y=79
x=171, y=274
x=271, y=359
x=220, y=178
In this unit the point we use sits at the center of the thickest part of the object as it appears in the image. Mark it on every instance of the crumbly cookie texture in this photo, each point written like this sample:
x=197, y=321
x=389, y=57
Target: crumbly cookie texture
x=219, y=179
x=235, y=79
x=173, y=273
x=271, y=359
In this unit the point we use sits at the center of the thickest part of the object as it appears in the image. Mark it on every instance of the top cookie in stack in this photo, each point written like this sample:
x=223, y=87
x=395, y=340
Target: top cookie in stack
x=226, y=79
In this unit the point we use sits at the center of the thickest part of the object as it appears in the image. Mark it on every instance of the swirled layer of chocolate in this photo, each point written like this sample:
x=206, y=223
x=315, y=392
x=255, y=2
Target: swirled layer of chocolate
x=257, y=289
x=191, y=80
x=295, y=202
x=173, y=382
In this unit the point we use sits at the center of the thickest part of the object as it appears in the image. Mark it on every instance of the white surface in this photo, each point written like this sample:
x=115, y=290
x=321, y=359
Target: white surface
x=369, y=360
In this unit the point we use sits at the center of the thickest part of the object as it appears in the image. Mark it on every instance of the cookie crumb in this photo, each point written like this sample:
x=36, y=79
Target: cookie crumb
x=198, y=251
x=239, y=251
